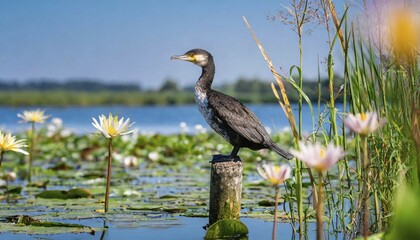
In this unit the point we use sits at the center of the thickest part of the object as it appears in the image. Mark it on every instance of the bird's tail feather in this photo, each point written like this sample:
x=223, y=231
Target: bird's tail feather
x=281, y=151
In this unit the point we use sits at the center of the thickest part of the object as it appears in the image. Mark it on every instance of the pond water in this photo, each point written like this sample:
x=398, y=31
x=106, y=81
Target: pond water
x=178, y=177
x=150, y=119
x=181, y=228
x=134, y=215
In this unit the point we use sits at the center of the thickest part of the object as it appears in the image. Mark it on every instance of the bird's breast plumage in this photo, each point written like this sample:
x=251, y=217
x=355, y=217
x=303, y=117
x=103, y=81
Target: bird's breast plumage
x=201, y=98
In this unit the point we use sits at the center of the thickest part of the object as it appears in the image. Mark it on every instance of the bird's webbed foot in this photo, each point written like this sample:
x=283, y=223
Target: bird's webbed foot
x=224, y=158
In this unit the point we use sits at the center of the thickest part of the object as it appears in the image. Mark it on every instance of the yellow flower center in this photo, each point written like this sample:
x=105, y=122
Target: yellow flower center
x=322, y=153
x=112, y=131
x=363, y=116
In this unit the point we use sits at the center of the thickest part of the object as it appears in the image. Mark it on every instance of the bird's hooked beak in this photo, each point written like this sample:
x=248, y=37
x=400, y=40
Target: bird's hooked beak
x=184, y=57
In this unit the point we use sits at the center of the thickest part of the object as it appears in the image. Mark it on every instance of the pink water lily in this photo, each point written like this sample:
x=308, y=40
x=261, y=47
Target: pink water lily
x=274, y=173
x=321, y=159
x=364, y=123
x=317, y=156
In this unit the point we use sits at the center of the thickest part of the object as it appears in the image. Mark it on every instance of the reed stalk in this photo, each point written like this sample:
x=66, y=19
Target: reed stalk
x=298, y=164
x=32, y=151
x=285, y=104
x=108, y=176
x=276, y=203
x=365, y=192
x=319, y=208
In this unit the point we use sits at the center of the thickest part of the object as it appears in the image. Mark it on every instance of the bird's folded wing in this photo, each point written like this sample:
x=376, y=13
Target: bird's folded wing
x=237, y=116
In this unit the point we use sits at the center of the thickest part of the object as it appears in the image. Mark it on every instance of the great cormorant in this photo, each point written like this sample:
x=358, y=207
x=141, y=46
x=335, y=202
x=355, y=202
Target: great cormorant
x=225, y=114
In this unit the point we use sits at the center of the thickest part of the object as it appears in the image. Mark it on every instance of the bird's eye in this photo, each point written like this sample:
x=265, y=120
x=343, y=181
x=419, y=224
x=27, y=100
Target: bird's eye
x=191, y=54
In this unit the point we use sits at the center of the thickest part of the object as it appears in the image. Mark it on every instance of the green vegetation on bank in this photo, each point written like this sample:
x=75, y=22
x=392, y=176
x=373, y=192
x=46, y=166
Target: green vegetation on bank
x=84, y=98
x=93, y=93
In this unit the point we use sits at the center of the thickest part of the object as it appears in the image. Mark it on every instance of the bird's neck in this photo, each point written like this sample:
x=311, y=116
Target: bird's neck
x=206, y=79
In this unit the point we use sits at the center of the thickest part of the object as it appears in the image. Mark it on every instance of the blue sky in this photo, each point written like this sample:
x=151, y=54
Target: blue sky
x=132, y=41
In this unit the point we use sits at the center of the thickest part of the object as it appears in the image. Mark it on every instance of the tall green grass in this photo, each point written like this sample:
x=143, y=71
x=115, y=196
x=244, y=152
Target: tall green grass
x=391, y=91
x=388, y=86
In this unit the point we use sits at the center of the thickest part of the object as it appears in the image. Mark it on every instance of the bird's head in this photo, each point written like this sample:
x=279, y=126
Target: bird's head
x=197, y=56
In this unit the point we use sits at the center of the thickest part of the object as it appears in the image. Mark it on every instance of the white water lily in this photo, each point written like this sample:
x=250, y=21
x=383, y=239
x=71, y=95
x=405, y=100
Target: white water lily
x=317, y=156
x=130, y=192
x=199, y=129
x=130, y=161
x=65, y=133
x=111, y=127
x=274, y=173
x=364, y=123
x=35, y=116
x=32, y=117
x=117, y=157
x=154, y=156
x=57, y=122
x=9, y=143
x=10, y=176
x=56, y=128
x=184, y=127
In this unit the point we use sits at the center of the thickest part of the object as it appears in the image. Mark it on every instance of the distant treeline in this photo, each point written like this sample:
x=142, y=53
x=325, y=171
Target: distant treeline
x=90, y=92
x=71, y=85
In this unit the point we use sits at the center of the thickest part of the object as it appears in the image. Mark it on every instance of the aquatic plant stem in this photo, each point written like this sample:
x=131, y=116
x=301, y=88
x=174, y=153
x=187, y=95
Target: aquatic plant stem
x=1, y=157
x=298, y=192
x=32, y=151
x=7, y=189
x=105, y=230
x=319, y=208
x=7, y=181
x=365, y=194
x=299, y=24
x=108, y=176
x=276, y=203
x=377, y=211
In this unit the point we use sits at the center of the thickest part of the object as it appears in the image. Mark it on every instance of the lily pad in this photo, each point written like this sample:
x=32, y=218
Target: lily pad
x=40, y=184
x=70, y=194
x=196, y=215
x=30, y=221
x=61, y=166
x=145, y=208
x=15, y=190
x=175, y=210
x=22, y=219
x=168, y=197
x=227, y=228
x=43, y=230
x=266, y=203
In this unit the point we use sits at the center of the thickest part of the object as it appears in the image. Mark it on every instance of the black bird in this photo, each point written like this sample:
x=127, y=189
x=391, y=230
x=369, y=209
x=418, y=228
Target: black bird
x=225, y=114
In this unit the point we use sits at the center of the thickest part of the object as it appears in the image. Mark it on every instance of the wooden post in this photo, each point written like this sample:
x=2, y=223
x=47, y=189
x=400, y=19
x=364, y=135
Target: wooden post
x=225, y=190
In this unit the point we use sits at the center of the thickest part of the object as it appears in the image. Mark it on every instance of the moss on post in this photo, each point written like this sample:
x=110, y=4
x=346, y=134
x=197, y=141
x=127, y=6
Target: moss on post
x=225, y=190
